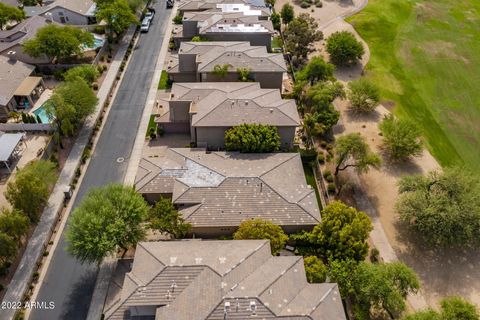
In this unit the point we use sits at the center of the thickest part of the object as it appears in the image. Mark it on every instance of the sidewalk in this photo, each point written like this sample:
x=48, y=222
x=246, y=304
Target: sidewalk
x=40, y=237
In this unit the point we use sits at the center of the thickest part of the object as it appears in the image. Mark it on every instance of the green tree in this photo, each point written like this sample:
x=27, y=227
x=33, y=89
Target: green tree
x=221, y=70
x=319, y=123
x=287, y=13
x=252, y=138
x=70, y=104
x=401, y=138
x=276, y=22
x=14, y=223
x=30, y=189
x=262, y=229
x=300, y=35
x=457, y=308
x=58, y=42
x=165, y=218
x=452, y=308
x=243, y=74
x=9, y=13
x=315, y=270
x=87, y=72
x=316, y=70
x=344, y=48
x=320, y=96
x=341, y=235
x=108, y=217
x=444, y=207
x=343, y=273
x=383, y=287
x=117, y=14
x=364, y=96
x=352, y=150
x=8, y=248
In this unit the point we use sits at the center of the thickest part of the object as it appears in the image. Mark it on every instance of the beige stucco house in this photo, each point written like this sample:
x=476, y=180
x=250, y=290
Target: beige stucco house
x=196, y=62
x=206, y=110
x=217, y=280
x=216, y=191
x=73, y=12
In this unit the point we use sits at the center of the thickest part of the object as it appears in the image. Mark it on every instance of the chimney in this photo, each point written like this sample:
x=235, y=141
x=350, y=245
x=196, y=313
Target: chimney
x=253, y=307
x=12, y=56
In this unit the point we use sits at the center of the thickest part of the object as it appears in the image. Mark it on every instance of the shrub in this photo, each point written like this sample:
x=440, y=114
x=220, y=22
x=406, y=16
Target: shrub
x=329, y=178
x=327, y=173
x=374, y=255
x=86, y=154
x=344, y=48
x=331, y=188
x=252, y=138
x=318, y=4
x=178, y=19
x=45, y=253
x=308, y=155
x=95, y=86
x=364, y=96
x=323, y=144
x=78, y=172
x=321, y=157
x=305, y=5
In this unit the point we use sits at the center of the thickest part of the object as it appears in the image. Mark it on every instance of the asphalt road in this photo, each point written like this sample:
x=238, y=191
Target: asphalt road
x=68, y=283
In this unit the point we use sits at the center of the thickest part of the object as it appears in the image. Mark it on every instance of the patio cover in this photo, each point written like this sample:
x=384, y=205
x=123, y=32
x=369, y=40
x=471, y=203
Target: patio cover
x=27, y=86
x=8, y=144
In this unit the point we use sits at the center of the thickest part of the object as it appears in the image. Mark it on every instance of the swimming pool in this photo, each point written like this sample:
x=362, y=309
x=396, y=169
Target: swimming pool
x=42, y=114
x=97, y=43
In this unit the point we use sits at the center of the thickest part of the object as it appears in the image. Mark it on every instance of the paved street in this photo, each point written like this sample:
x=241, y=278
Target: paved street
x=68, y=283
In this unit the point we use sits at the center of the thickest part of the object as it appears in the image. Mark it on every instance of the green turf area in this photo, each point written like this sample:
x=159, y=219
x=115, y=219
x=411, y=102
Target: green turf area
x=164, y=83
x=310, y=177
x=425, y=55
x=277, y=42
x=151, y=124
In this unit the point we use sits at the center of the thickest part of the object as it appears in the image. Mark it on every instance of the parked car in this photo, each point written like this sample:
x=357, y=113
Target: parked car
x=150, y=14
x=145, y=24
x=170, y=3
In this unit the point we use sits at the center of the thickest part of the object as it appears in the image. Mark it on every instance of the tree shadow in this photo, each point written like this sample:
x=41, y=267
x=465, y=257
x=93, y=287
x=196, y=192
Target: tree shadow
x=78, y=301
x=443, y=271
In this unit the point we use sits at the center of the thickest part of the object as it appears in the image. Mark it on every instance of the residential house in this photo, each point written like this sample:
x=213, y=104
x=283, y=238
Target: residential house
x=11, y=41
x=12, y=3
x=74, y=12
x=216, y=191
x=19, y=89
x=207, y=109
x=217, y=280
x=225, y=6
x=196, y=61
x=224, y=26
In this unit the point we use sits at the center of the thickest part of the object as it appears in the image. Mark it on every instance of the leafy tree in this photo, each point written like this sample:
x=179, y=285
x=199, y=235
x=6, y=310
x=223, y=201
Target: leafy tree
x=341, y=235
x=9, y=13
x=300, y=34
x=383, y=287
x=70, y=104
x=165, y=218
x=270, y=2
x=262, y=229
x=8, y=248
x=58, y=42
x=321, y=122
x=221, y=70
x=352, y=150
x=243, y=74
x=276, y=22
x=343, y=273
x=30, y=189
x=401, y=137
x=178, y=19
x=452, y=308
x=287, y=13
x=344, y=48
x=108, y=217
x=315, y=270
x=87, y=72
x=444, y=207
x=320, y=96
x=456, y=308
x=252, y=138
x=316, y=70
x=364, y=96
x=117, y=14
x=13, y=223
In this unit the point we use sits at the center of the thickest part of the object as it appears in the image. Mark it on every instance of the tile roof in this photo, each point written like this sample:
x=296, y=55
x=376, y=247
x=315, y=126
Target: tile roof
x=83, y=7
x=227, y=104
x=12, y=75
x=236, y=54
x=217, y=280
x=211, y=21
x=23, y=31
x=200, y=5
x=216, y=188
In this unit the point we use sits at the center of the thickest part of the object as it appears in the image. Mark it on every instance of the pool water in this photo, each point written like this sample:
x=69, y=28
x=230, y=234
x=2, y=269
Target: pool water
x=97, y=43
x=42, y=114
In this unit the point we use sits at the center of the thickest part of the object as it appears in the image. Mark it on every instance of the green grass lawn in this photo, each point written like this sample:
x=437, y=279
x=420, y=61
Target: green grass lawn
x=426, y=59
x=164, y=83
x=151, y=124
x=277, y=42
x=309, y=176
